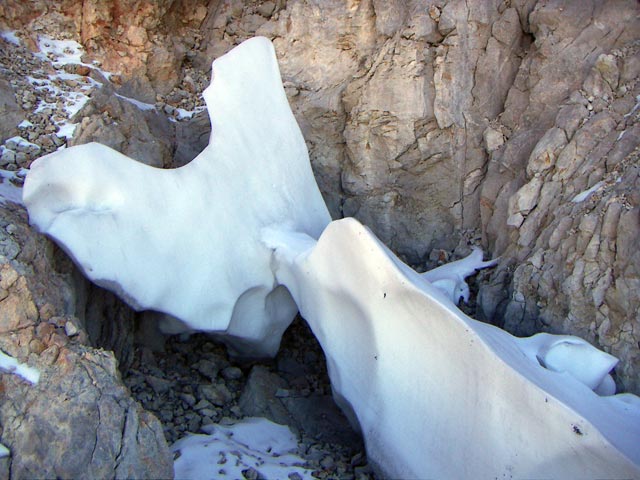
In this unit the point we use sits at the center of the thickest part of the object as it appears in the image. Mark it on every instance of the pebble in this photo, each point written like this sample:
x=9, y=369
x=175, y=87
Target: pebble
x=232, y=373
x=71, y=329
x=8, y=156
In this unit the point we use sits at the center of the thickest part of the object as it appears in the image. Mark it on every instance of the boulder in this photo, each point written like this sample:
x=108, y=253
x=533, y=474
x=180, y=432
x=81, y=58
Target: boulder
x=131, y=127
x=78, y=421
x=10, y=112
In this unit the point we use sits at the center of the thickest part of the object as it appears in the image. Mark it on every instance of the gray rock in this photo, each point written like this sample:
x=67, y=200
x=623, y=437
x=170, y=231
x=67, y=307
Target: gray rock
x=79, y=421
x=8, y=157
x=218, y=395
x=258, y=398
x=144, y=135
x=10, y=112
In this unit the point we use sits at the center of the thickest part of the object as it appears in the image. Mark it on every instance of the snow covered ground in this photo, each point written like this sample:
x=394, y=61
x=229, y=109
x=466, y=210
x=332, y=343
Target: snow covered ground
x=232, y=451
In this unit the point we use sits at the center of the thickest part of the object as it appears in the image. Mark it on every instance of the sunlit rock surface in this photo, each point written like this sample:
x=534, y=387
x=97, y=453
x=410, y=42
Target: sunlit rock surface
x=186, y=241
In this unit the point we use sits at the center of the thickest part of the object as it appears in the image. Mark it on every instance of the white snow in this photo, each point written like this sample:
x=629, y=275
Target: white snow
x=182, y=113
x=10, y=36
x=227, y=450
x=582, y=196
x=73, y=100
x=60, y=51
x=567, y=353
x=438, y=394
x=4, y=451
x=25, y=124
x=11, y=365
x=67, y=130
x=9, y=191
x=137, y=103
x=449, y=278
x=20, y=143
x=187, y=241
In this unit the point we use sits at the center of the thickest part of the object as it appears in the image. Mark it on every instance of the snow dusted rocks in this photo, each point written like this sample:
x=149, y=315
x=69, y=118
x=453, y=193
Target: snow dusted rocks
x=440, y=395
x=235, y=451
x=124, y=223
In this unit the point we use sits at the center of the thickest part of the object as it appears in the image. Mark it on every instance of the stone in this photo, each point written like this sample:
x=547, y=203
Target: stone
x=10, y=112
x=258, y=397
x=79, y=421
x=144, y=135
x=218, y=395
x=493, y=139
x=7, y=157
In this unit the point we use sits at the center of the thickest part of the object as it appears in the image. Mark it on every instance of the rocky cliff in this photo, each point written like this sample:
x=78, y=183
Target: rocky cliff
x=439, y=124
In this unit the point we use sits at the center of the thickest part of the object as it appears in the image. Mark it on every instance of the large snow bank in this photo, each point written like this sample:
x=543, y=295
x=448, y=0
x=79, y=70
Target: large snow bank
x=186, y=241
x=438, y=394
x=228, y=242
x=226, y=451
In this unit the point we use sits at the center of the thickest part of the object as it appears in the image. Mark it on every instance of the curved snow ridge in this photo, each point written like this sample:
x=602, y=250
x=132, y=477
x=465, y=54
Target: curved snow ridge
x=421, y=377
x=180, y=241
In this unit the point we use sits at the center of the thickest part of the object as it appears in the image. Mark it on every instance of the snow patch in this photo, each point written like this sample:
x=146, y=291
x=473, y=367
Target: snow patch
x=92, y=200
x=425, y=382
x=137, y=103
x=60, y=52
x=9, y=191
x=67, y=130
x=11, y=365
x=450, y=278
x=11, y=37
x=582, y=196
x=228, y=450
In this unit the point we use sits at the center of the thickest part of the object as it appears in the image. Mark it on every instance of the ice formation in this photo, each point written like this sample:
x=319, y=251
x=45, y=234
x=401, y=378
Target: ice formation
x=439, y=395
x=450, y=277
x=234, y=243
x=186, y=241
x=228, y=450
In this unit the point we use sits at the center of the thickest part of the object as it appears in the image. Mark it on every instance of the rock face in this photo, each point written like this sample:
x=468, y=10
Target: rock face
x=144, y=135
x=573, y=224
x=79, y=421
x=437, y=123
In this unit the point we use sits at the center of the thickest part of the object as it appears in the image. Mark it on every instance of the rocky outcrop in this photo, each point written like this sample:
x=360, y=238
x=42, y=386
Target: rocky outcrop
x=79, y=421
x=141, y=133
x=570, y=261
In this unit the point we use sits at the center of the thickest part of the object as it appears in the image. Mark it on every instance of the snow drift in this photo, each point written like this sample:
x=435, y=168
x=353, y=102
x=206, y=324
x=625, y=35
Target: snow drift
x=186, y=241
x=438, y=394
x=229, y=244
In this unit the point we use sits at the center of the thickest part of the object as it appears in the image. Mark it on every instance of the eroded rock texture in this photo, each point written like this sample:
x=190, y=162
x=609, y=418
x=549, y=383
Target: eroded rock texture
x=570, y=246
x=436, y=123
x=79, y=421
